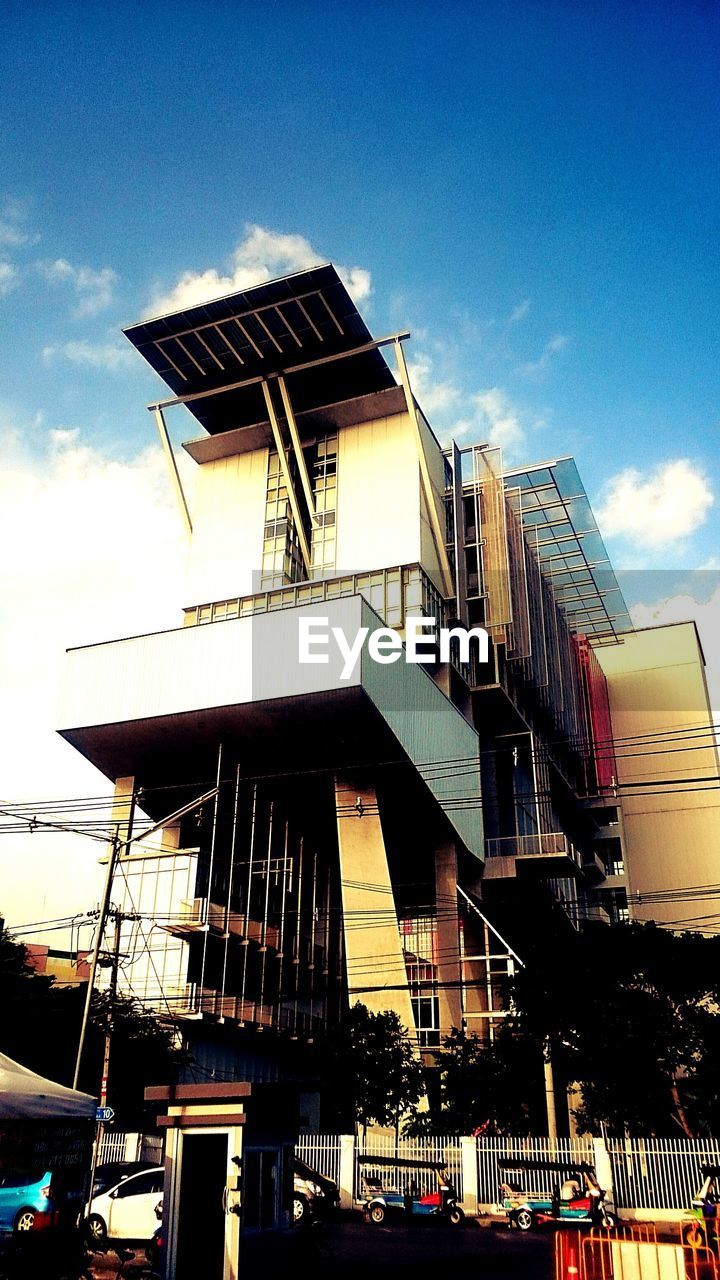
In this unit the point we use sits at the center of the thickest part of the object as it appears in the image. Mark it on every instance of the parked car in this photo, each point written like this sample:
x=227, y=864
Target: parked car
x=24, y=1196
x=110, y=1174
x=126, y=1211
x=314, y=1196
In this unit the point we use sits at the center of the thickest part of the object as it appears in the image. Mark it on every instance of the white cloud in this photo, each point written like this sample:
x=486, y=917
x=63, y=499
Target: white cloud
x=656, y=509
x=99, y=355
x=485, y=417
x=98, y=552
x=519, y=312
x=12, y=236
x=434, y=397
x=496, y=421
x=552, y=348
x=261, y=255
x=94, y=288
x=8, y=277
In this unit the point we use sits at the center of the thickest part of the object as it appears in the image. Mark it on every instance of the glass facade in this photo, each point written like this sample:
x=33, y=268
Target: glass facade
x=282, y=559
x=323, y=473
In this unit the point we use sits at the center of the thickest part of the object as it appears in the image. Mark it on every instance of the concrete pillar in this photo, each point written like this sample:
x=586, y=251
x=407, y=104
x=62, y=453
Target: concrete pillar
x=468, y=1158
x=448, y=939
x=133, y=1147
x=603, y=1166
x=121, y=805
x=574, y=1102
x=372, y=942
x=346, y=1177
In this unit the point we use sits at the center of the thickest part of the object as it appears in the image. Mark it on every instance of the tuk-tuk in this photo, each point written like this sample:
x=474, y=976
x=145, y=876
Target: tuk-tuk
x=576, y=1200
x=401, y=1195
x=702, y=1229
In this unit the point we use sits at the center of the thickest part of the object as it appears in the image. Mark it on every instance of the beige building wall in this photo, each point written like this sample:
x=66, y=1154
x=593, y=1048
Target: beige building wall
x=228, y=519
x=378, y=496
x=662, y=728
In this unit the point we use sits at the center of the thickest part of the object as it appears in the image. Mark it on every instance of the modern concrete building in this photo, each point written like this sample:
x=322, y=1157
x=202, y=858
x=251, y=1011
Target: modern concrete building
x=386, y=833
x=667, y=772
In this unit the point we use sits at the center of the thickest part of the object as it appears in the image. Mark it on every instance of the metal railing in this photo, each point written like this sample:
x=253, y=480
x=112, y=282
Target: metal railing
x=444, y=1150
x=659, y=1173
x=656, y=1176
x=541, y=844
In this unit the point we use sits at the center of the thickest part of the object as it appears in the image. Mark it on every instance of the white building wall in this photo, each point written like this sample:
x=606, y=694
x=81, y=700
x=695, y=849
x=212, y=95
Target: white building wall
x=228, y=519
x=378, y=496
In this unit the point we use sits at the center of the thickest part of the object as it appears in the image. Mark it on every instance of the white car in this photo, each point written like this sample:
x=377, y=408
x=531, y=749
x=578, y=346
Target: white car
x=127, y=1211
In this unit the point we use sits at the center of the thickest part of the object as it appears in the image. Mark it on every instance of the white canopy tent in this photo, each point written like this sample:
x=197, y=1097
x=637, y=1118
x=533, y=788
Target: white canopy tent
x=24, y=1095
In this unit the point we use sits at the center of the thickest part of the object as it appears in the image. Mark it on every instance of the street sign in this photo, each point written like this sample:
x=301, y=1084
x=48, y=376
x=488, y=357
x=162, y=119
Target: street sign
x=104, y=1115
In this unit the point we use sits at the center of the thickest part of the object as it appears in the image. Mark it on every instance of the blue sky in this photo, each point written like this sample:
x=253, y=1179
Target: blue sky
x=532, y=188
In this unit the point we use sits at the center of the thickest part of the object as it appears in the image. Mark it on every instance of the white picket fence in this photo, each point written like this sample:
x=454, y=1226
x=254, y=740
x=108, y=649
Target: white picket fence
x=659, y=1173
x=649, y=1175
x=321, y=1151
x=116, y=1148
x=444, y=1151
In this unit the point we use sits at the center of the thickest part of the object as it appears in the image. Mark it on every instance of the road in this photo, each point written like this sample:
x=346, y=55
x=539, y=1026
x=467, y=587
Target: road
x=358, y=1251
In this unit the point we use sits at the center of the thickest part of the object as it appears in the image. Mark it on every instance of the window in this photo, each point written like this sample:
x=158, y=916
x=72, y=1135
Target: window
x=282, y=559
x=323, y=471
x=143, y=1185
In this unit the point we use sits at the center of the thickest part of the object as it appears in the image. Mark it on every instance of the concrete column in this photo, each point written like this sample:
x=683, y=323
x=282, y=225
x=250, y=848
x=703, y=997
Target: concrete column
x=603, y=1166
x=372, y=942
x=133, y=1145
x=122, y=799
x=346, y=1178
x=468, y=1157
x=448, y=938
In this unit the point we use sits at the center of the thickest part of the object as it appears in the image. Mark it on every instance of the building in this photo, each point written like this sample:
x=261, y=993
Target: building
x=387, y=835
x=667, y=771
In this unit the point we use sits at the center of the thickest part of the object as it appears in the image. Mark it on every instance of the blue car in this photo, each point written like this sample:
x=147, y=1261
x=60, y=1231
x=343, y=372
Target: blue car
x=24, y=1196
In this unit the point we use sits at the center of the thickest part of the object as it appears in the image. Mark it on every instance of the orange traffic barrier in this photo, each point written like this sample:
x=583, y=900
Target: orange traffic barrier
x=632, y=1249
x=567, y=1255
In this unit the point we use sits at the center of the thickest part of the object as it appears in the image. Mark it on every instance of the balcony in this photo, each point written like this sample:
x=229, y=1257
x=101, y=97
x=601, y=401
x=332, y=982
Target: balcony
x=196, y=915
x=546, y=853
x=151, y=706
x=592, y=866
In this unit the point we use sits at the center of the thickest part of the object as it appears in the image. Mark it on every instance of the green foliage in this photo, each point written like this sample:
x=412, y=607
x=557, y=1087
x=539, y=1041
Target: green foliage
x=384, y=1074
x=632, y=1014
x=496, y=1088
x=40, y=1027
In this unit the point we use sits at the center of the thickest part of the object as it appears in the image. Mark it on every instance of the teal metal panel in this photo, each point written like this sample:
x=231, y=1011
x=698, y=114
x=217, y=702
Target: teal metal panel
x=440, y=742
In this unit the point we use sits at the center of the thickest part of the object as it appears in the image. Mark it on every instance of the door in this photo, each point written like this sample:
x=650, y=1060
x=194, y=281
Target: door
x=132, y=1212
x=207, y=1208
x=261, y=1189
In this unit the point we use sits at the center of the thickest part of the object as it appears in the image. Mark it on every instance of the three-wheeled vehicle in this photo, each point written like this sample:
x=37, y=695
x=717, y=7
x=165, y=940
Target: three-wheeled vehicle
x=390, y=1188
x=702, y=1228
x=577, y=1200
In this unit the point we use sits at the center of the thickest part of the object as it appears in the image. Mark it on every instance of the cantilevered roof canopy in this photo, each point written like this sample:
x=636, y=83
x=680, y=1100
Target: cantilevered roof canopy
x=555, y=507
x=282, y=326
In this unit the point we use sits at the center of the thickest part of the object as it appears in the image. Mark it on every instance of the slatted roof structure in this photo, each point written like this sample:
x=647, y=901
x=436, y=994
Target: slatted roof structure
x=214, y=357
x=555, y=507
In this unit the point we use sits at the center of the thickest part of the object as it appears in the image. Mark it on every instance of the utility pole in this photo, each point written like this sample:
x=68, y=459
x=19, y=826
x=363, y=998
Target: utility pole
x=549, y=1091
x=118, y=847
x=114, y=964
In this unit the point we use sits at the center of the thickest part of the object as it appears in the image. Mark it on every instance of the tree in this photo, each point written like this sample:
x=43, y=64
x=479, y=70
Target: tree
x=632, y=1015
x=384, y=1073
x=495, y=1087
x=40, y=1028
